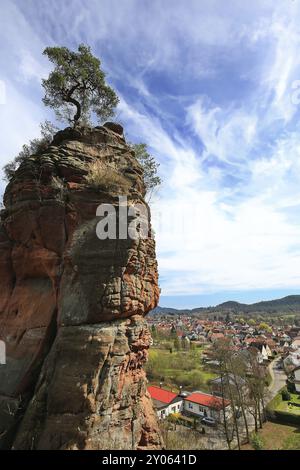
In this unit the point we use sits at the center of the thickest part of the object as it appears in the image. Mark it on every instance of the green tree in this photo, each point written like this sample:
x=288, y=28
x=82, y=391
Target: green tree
x=257, y=442
x=150, y=167
x=76, y=87
x=176, y=344
x=285, y=394
x=48, y=130
x=228, y=318
x=154, y=331
x=174, y=419
x=173, y=332
x=265, y=327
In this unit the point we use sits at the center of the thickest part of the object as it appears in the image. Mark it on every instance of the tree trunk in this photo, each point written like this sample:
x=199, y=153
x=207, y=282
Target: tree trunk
x=78, y=108
x=241, y=401
x=255, y=418
x=224, y=413
x=70, y=99
x=232, y=401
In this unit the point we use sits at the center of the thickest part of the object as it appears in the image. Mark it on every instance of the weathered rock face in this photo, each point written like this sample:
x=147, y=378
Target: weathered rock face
x=72, y=305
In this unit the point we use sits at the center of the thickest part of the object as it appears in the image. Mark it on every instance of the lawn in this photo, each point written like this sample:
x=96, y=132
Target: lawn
x=284, y=405
x=178, y=368
x=278, y=437
x=285, y=408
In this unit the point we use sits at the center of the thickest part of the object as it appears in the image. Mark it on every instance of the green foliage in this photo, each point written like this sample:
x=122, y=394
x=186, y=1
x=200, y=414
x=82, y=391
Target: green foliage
x=228, y=317
x=185, y=343
x=286, y=396
x=48, y=130
x=174, y=418
x=291, y=387
x=275, y=402
x=279, y=411
x=176, y=344
x=77, y=83
x=150, y=167
x=153, y=331
x=181, y=368
x=173, y=332
x=196, y=380
x=264, y=326
x=257, y=442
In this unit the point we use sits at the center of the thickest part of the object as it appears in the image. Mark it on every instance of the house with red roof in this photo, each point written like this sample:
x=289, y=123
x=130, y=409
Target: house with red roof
x=204, y=405
x=216, y=337
x=165, y=402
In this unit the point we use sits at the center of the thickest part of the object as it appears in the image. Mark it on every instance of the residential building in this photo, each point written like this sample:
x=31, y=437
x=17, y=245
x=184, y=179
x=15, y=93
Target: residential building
x=202, y=405
x=165, y=402
x=221, y=387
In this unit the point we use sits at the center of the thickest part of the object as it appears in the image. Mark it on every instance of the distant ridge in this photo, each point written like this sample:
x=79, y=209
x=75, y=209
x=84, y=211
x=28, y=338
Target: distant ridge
x=285, y=305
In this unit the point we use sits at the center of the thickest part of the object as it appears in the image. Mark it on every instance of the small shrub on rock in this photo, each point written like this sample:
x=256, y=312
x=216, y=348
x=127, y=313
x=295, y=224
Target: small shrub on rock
x=104, y=177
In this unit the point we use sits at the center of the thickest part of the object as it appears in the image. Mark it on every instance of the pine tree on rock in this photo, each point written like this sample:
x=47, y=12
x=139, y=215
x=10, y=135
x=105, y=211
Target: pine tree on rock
x=76, y=87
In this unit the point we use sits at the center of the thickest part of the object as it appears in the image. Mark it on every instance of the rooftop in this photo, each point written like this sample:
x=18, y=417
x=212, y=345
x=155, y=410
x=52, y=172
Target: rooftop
x=207, y=400
x=159, y=394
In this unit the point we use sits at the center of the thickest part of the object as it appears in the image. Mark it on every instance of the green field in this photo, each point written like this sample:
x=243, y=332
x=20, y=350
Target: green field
x=178, y=368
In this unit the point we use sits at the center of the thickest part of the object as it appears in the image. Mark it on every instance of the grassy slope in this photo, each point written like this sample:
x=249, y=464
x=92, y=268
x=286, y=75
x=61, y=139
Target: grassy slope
x=178, y=368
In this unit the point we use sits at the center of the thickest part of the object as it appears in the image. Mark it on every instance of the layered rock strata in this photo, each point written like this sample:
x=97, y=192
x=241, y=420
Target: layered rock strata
x=72, y=306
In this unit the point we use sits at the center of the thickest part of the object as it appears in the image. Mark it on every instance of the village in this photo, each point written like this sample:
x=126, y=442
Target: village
x=225, y=379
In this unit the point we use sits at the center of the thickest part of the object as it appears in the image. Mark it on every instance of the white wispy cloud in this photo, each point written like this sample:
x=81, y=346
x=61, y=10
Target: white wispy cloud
x=208, y=86
x=21, y=63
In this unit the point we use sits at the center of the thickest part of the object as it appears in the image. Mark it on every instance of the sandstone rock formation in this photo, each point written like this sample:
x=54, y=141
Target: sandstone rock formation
x=71, y=305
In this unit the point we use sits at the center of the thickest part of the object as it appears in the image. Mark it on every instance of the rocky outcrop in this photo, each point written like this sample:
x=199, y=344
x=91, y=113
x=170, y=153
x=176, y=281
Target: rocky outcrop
x=72, y=305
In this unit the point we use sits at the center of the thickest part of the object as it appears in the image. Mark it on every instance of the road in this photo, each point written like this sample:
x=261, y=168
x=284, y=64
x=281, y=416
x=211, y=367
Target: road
x=278, y=378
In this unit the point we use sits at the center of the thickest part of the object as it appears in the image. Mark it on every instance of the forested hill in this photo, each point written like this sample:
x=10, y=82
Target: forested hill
x=286, y=305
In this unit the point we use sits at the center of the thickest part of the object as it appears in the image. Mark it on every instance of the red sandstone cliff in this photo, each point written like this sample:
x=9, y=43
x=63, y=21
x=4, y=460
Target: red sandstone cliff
x=72, y=306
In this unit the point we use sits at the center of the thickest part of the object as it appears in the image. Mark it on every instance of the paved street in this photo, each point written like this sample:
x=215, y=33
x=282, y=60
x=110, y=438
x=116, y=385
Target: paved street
x=278, y=378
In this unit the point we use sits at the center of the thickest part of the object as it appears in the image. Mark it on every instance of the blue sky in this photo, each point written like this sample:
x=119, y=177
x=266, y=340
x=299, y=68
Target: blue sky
x=213, y=88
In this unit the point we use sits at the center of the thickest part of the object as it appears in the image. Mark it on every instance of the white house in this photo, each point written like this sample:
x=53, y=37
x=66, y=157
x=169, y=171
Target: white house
x=165, y=402
x=264, y=353
x=292, y=362
x=297, y=379
x=294, y=378
x=202, y=405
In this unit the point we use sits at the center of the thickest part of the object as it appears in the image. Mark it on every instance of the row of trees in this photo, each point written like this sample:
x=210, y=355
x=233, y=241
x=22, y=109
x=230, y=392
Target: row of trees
x=169, y=339
x=243, y=382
